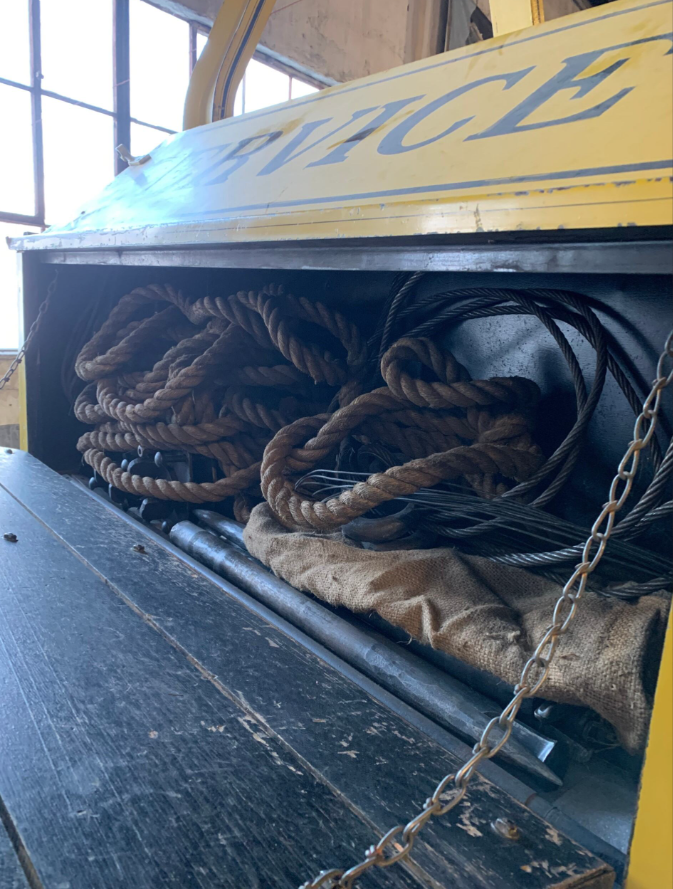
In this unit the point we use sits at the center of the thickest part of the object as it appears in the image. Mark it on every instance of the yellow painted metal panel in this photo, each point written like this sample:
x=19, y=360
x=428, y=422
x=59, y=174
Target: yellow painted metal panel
x=651, y=858
x=23, y=412
x=513, y=15
x=565, y=125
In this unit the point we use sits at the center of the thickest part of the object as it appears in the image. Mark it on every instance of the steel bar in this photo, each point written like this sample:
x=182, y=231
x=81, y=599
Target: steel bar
x=233, y=531
x=434, y=693
x=492, y=688
x=483, y=682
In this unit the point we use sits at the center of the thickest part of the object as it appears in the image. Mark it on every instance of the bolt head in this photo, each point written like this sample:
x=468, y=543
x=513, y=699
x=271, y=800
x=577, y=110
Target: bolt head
x=506, y=829
x=544, y=711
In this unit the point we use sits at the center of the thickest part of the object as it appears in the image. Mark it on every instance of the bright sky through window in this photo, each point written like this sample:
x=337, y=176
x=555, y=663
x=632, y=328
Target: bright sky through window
x=78, y=142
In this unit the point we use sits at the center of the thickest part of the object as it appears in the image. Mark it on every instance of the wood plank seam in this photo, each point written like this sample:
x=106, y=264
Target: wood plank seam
x=414, y=869
x=22, y=855
x=40, y=490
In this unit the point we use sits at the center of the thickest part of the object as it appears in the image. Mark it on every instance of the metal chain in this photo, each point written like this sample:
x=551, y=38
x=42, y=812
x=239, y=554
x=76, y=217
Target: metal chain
x=397, y=844
x=34, y=327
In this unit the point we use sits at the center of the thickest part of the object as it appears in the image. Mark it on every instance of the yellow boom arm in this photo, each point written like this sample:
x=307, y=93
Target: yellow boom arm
x=219, y=70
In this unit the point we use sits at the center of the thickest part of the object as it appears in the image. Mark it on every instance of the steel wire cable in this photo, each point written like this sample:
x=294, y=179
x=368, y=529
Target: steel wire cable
x=405, y=315
x=395, y=301
x=452, y=307
x=650, y=502
x=489, y=302
x=398, y=843
x=504, y=526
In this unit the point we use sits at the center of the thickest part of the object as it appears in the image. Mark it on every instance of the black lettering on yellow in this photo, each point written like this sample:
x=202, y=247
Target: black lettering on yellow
x=393, y=142
x=567, y=79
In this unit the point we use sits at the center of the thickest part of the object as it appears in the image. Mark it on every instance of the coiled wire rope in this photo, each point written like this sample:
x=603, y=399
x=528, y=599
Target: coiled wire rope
x=434, y=316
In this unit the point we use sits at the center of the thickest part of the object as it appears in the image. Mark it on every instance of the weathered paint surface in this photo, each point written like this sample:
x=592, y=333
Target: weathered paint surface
x=650, y=863
x=566, y=125
x=154, y=737
x=9, y=407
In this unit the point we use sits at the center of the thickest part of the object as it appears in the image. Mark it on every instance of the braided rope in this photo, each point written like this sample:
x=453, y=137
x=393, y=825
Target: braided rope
x=205, y=394
x=297, y=511
x=497, y=442
x=238, y=377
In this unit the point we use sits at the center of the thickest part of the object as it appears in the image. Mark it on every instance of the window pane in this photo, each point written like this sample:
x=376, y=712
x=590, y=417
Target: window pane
x=238, y=101
x=14, y=40
x=201, y=40
x=159, y=65
x=17, y=193
x=264, y=86
x=299, y=88
x=77, y=49
x=78, y=157
x=144, y=139
x=9, y=286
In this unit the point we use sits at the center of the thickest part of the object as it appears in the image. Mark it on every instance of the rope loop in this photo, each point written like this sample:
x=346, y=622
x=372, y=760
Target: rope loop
x=269, y=385
x=499, y=442
x=217, y=376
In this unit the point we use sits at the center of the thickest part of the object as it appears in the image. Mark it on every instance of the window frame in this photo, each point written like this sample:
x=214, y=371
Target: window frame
x=283, y=68
x=121, y=108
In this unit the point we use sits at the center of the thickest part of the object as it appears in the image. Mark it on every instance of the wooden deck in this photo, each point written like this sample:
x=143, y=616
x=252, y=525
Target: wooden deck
x=159, y=729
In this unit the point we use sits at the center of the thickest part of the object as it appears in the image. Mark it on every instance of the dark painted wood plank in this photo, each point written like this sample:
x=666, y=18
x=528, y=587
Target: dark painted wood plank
x=379, y=762
x=12, y=875
x=122, y=765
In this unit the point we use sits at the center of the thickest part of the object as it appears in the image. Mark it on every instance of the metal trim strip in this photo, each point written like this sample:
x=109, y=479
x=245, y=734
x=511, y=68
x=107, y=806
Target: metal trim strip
x=636, y=257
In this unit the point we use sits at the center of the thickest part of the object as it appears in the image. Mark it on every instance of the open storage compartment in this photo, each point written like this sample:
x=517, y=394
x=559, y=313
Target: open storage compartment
x=402, y=328
x=579, y=767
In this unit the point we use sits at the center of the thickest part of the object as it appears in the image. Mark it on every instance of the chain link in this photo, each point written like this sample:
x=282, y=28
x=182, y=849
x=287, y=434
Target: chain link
x=398, y=842
x=34, y=327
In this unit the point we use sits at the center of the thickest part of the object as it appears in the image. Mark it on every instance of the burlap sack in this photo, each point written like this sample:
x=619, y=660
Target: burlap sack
x=487, y=615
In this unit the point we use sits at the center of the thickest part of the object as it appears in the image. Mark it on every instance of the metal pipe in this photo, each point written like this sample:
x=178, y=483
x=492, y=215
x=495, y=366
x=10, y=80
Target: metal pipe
x=517, y=788
x=480, y=680
x=233, y=531
x=434, y=693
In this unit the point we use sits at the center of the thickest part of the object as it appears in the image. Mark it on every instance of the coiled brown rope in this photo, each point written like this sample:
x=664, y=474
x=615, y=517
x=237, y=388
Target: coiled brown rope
x=215, y=377
x=225, y=378
x=490, y=418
